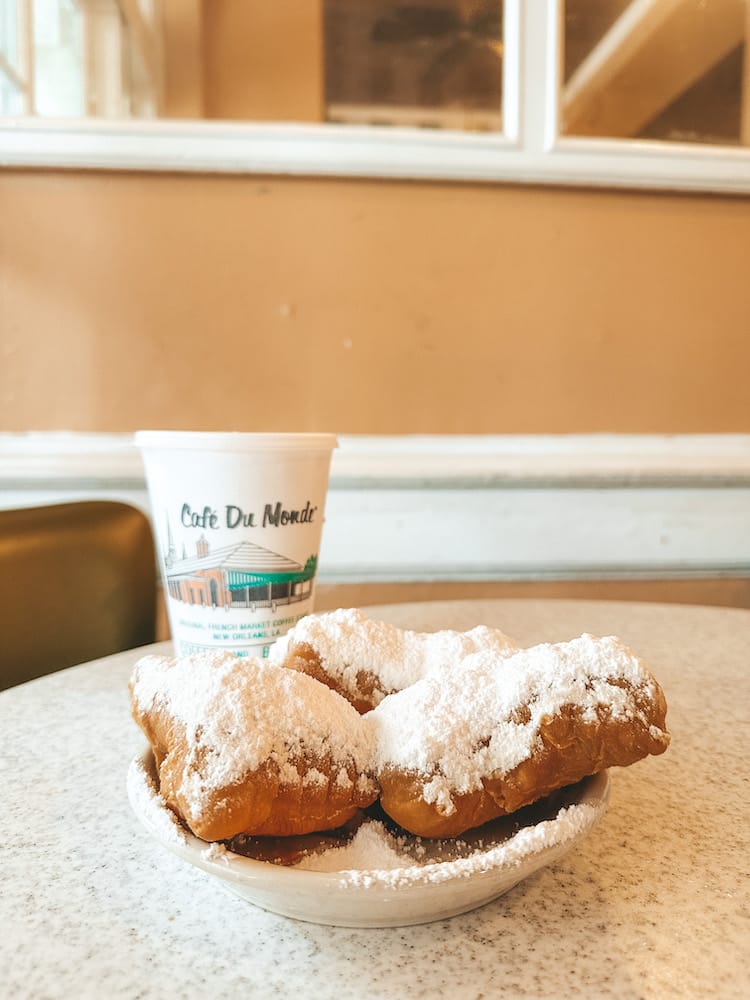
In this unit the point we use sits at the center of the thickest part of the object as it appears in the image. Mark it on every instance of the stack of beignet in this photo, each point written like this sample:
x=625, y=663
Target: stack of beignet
x=459, y=728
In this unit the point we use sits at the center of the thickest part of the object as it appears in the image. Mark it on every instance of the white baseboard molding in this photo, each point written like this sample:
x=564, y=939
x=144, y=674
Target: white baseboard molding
x=418, y=508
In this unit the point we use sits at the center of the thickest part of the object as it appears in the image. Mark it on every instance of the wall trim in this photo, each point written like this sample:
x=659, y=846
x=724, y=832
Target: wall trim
x=366, y=152
x=472, y=459
x=489, y=507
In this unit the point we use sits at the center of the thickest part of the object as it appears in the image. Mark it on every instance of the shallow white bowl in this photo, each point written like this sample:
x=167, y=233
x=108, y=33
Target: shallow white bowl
x=369, y=898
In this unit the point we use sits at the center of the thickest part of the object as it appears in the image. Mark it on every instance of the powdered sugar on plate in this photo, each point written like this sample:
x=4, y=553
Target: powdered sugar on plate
x=382, y=877
x=217, y=852
x=376, y=857
x=150, y=807
x=371, y=847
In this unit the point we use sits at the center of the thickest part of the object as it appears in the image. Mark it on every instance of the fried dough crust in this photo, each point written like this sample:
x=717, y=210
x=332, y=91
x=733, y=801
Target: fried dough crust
x=244, y=747
x=621, y=724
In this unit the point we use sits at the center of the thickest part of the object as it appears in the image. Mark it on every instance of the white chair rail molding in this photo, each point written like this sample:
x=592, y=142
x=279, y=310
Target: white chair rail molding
x=463, y=508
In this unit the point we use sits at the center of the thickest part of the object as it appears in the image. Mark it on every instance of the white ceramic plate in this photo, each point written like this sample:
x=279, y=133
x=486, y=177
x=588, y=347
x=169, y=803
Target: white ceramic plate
x=438, y=879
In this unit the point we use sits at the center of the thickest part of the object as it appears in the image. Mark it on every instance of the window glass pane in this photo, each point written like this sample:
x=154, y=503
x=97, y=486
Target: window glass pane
x=11, y=98
x=436, y=64
x=425, y=63
x=672, y=71
x=9, y=29
x=58, y=66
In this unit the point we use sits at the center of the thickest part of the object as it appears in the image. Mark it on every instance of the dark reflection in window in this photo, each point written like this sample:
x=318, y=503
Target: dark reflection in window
x=435, y=64
x=709, y=111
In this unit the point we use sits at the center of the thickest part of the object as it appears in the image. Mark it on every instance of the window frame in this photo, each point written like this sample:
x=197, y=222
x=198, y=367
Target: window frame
x=529, y=151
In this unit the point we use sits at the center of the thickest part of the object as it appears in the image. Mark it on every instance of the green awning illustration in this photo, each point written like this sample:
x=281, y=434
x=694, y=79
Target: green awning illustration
x=246, y=565
x=237, y=580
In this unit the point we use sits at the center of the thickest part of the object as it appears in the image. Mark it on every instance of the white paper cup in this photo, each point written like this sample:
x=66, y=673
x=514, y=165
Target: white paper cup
x=238, y=521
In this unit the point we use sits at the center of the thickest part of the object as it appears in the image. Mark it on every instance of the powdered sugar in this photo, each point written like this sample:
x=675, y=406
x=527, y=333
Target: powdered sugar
x=465, y=725
x=371, y=847
x=238, y=714
x=217, y=852
x=570, y=823
x=348, y=643
x=452, y=729
x=151, y=807
x=375, y=858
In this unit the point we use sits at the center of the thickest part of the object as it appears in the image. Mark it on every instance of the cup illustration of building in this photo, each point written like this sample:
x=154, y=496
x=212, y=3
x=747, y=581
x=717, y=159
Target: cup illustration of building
x=239, y=575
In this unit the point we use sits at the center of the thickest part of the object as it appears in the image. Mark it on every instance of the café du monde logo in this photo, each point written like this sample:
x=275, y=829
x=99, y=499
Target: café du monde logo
x=239, y=575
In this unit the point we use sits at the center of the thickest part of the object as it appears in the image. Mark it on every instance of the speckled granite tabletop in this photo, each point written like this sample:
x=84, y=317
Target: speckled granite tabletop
x=654, y=903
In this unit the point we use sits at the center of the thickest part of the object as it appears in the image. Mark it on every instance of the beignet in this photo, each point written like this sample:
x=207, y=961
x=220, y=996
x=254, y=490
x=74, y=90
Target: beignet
x=242, y=746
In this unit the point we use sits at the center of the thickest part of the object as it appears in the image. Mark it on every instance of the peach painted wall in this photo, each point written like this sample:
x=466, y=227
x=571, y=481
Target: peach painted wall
x=368, y=307
x=262, y=61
